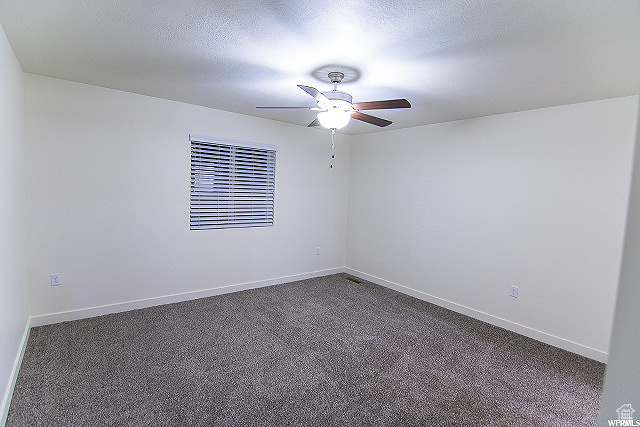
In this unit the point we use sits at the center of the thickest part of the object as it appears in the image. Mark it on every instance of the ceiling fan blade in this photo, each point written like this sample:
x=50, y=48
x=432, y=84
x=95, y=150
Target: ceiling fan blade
x=300, y=108
x=316, y=122
x=319, y=96
x=371, y=119
x=381, y=105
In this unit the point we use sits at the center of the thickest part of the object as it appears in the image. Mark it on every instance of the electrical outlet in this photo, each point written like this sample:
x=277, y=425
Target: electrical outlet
x=318, y=250
x=513, y=291
x=56, y=279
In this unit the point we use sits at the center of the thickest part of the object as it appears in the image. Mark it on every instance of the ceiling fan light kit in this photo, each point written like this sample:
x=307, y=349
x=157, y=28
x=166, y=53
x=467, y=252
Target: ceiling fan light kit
x=334, y=118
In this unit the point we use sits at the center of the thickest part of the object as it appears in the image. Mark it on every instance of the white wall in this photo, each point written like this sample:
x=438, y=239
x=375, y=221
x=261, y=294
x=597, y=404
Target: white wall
x=451, y=213
x=108, y=201
x=622, y=378
x=14, y=314
x=456, y=212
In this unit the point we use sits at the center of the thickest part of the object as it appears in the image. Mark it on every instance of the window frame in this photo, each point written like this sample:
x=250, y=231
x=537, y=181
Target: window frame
x=240, y=177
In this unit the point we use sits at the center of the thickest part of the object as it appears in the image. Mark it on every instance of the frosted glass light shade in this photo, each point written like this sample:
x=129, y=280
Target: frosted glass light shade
x=334, y=118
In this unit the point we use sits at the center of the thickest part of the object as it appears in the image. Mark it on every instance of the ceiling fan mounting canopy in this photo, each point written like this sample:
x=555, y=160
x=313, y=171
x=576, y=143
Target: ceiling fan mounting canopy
x=322, y=73
x=336, y=76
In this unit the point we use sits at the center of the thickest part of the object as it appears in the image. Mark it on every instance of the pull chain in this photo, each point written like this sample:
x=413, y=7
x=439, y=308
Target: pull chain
x=333, y=146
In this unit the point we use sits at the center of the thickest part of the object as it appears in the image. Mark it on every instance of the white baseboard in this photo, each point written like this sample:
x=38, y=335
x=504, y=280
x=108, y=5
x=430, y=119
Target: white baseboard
x=64, y=316
x=553, y=340
x=8, y=393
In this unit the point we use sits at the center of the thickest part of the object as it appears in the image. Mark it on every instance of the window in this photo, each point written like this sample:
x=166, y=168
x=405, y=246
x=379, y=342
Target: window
x=232, y=183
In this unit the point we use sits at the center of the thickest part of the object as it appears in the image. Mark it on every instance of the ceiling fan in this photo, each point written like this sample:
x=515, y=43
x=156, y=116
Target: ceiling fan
x=336, y=107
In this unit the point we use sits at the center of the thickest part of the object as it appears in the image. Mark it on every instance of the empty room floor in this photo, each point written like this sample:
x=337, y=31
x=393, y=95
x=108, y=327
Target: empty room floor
x=332, y=350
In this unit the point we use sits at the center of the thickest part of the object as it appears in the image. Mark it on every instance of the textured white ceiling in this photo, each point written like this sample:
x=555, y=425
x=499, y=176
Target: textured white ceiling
x=450, y=59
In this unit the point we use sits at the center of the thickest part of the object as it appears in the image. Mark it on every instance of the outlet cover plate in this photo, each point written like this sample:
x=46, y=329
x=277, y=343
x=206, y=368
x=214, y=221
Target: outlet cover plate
x=513, y=291
x=56, y=279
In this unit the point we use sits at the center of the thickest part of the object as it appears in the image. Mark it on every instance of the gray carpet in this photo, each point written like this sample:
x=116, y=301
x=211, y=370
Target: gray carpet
x=324, y=351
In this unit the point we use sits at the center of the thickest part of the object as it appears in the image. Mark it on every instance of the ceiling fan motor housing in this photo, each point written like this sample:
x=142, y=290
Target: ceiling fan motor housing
x=336, y=95
x=337, y=101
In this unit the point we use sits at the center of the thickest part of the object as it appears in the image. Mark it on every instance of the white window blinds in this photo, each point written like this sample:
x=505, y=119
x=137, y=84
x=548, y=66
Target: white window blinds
x=232, y=184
